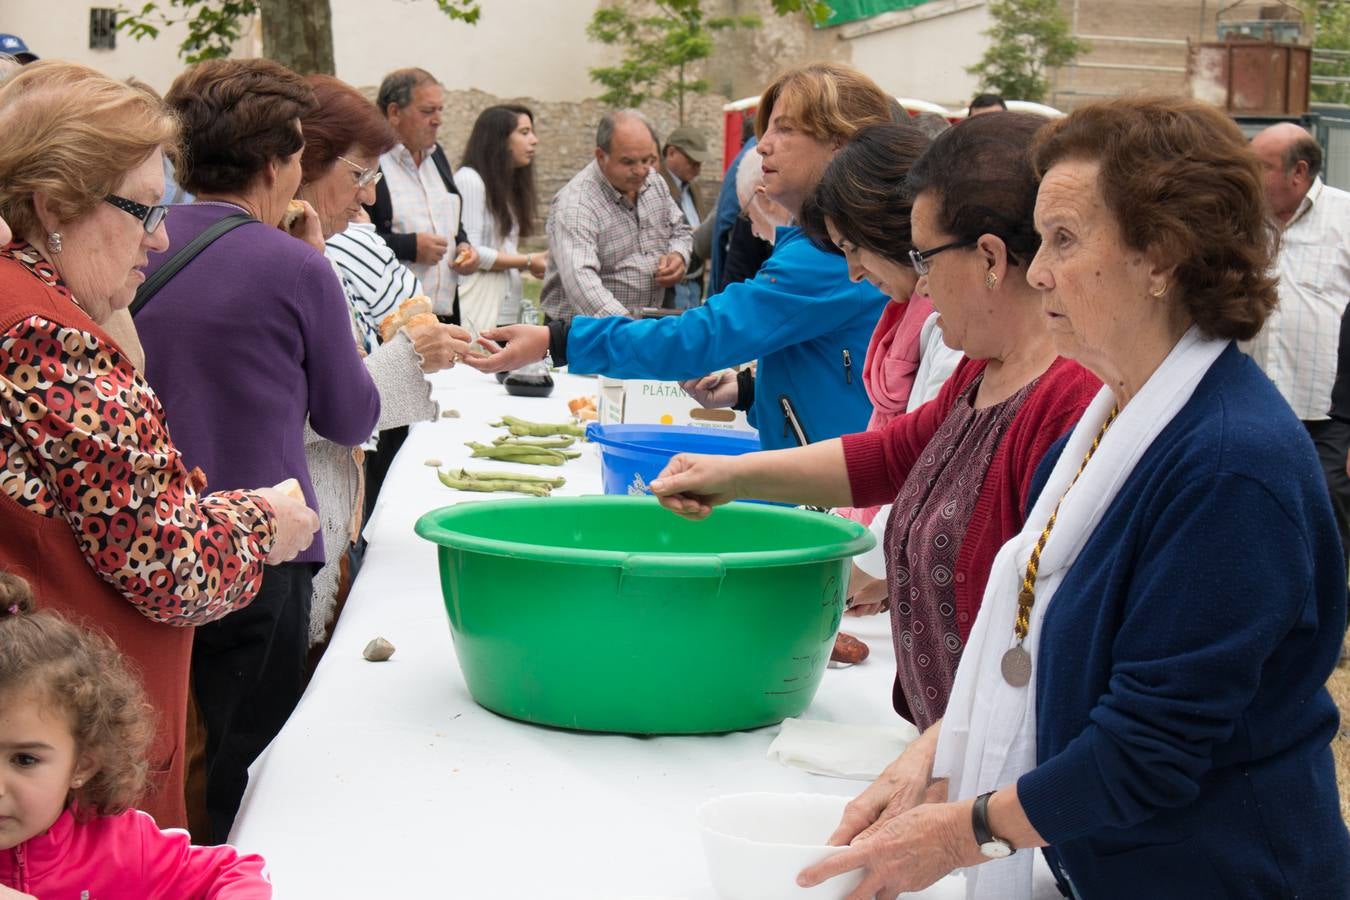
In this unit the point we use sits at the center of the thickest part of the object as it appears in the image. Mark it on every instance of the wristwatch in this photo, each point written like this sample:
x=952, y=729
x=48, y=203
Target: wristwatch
x=992, y=847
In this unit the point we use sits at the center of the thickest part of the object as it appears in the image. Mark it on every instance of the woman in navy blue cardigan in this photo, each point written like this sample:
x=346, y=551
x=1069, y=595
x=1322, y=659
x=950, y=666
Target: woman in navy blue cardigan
x=1143, y=695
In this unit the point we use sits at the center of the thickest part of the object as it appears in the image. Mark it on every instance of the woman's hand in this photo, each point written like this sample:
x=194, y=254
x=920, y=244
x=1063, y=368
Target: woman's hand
x=719, y=389
x=538, y=264
x=296, y=524
x=905, y=784
x=692, y=485
x=867, y=595
x=307, y=227
x=5, y=892
x=440, y=346
x=525, y=344
x=466, y=259
x=908, y=853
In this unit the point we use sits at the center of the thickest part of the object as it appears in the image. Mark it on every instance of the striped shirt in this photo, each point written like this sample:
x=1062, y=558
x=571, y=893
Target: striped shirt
x=1298, y=346
x=374, y=281
x=604, y=249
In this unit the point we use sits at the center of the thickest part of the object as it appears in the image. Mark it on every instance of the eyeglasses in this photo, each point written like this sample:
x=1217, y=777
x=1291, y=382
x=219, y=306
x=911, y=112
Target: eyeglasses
x=150, y=216
x=919, y=258
x=364, y=177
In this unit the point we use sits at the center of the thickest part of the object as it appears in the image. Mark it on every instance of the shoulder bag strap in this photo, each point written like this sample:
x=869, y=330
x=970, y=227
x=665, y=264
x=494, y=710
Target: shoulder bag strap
x=180, y=259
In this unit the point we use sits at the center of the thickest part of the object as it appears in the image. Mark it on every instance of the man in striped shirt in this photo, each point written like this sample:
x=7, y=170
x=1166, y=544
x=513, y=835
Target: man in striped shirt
x=617, y=241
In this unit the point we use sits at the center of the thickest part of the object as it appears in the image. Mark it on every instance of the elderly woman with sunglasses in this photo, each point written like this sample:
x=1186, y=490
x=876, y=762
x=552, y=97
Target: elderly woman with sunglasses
x=101, y=513
x=957, y=470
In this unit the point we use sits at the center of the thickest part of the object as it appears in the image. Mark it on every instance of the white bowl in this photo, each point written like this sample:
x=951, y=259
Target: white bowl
x=757, y=843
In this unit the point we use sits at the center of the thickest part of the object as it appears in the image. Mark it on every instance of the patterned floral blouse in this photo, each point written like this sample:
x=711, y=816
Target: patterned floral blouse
x=83, y=437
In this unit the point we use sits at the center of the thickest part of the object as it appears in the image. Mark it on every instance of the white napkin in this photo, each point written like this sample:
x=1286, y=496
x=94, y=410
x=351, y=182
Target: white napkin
x=859, y=752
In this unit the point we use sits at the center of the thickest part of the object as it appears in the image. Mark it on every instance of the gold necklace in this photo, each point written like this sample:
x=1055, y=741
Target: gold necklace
x=1016, y=663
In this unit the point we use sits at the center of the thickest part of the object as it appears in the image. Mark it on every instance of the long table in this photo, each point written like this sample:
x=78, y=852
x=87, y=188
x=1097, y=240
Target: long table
x=389, y=781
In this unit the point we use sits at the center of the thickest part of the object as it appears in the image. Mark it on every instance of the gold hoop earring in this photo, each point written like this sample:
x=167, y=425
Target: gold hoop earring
x=1158, y=294
x=991, y=280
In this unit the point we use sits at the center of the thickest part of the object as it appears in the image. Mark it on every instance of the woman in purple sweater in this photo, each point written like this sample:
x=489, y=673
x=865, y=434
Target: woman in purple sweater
x=246, y=343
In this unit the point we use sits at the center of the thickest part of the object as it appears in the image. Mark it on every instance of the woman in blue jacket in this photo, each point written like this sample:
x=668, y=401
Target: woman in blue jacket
x=1143, y=693
x=801, y=317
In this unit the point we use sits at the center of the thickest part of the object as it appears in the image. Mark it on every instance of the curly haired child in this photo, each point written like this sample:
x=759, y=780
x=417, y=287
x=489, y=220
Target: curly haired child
x=74, y=729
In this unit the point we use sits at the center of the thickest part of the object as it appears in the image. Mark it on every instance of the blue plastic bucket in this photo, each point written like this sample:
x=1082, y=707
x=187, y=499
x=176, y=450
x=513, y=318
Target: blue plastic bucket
x=631, y=456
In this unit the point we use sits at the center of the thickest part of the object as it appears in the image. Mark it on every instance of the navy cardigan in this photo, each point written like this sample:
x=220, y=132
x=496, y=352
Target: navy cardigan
x=1183, y=723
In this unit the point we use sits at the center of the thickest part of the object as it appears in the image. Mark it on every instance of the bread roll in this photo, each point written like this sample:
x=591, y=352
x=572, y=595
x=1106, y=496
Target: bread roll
x=421, y=319
x=295, y=210
x=408, y=310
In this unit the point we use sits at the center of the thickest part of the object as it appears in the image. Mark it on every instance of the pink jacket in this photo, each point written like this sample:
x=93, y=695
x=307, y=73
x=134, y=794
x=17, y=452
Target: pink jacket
x=128, y=857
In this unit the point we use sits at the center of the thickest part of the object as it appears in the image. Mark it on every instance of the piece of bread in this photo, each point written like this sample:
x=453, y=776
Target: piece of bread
x=415, y=306
x=295, y=210
x=408, y=310
x=421, y=319
x=291, y=488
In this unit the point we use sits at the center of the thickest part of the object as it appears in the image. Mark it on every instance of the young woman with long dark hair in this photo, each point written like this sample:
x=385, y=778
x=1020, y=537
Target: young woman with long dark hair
x=496, y=181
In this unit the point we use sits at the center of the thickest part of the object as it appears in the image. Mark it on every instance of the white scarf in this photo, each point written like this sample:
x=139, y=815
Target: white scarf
x=988, y=735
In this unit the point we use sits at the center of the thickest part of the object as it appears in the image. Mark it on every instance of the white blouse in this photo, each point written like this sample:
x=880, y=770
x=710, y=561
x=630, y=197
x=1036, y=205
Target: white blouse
x=481, y=227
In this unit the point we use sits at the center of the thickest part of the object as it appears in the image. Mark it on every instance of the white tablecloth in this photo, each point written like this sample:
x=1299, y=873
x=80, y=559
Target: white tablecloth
x=390, y=782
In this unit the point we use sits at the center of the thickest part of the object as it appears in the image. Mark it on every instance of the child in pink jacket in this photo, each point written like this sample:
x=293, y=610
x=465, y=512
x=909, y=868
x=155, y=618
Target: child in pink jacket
x=74, y=728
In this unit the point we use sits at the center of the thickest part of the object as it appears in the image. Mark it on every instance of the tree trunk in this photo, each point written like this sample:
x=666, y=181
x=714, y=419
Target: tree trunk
x=299, y=35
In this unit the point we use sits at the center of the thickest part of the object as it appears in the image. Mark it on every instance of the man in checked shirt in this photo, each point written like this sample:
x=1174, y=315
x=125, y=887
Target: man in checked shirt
x=1298, y=346
x=617, y=241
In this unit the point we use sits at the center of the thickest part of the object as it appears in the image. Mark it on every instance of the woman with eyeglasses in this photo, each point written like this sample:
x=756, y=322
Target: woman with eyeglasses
x=249, y=342
x=958, y=470
x=344, y=137
x=102, y=513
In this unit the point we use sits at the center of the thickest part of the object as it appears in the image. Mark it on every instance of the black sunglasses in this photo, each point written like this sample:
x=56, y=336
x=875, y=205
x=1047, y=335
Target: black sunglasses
x=150, y=216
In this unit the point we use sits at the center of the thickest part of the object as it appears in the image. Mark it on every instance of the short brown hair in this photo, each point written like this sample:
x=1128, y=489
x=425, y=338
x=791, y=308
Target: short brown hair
x=74, y=134
x=341, y=118
x=1183, y=184
x=829, y=101
x=238, y=115
x=81, y=674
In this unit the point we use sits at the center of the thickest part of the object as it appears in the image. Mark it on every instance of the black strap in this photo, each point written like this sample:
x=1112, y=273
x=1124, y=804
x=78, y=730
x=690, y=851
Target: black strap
x=180, y=259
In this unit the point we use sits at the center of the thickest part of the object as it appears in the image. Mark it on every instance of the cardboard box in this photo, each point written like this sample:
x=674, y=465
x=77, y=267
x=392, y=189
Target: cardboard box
x=646, y=401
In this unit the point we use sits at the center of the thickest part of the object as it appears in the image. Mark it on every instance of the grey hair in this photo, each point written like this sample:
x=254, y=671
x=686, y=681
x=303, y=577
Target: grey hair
x=1303, y=149
x=604, y=133
x=398, y=86
x=930, y=123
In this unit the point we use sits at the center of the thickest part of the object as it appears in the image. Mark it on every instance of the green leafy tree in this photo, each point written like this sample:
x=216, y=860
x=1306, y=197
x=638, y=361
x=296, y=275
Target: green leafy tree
x=1330, y=20
x=296, y=33
x=663, y=42
x=1028, y=38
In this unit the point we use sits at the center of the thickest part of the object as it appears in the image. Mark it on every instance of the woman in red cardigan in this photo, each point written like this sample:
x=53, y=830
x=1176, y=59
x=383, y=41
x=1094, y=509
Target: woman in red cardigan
x=958, y=468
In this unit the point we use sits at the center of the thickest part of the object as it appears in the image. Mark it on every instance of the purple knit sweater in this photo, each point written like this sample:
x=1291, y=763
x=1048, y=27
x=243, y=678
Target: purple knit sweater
x=244, y=344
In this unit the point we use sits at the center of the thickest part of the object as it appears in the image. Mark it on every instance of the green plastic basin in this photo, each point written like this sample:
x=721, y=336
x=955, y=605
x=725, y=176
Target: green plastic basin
x=613, y=614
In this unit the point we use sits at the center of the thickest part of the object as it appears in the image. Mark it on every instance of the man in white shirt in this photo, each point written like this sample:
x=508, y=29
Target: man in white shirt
x=1298, y=346
x=417, y=207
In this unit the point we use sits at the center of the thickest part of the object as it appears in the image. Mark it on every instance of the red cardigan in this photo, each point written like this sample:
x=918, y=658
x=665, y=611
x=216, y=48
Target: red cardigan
x=879, y=461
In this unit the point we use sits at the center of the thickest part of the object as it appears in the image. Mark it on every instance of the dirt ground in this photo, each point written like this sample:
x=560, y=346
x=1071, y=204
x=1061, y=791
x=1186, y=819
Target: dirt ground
x=1339, y=685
